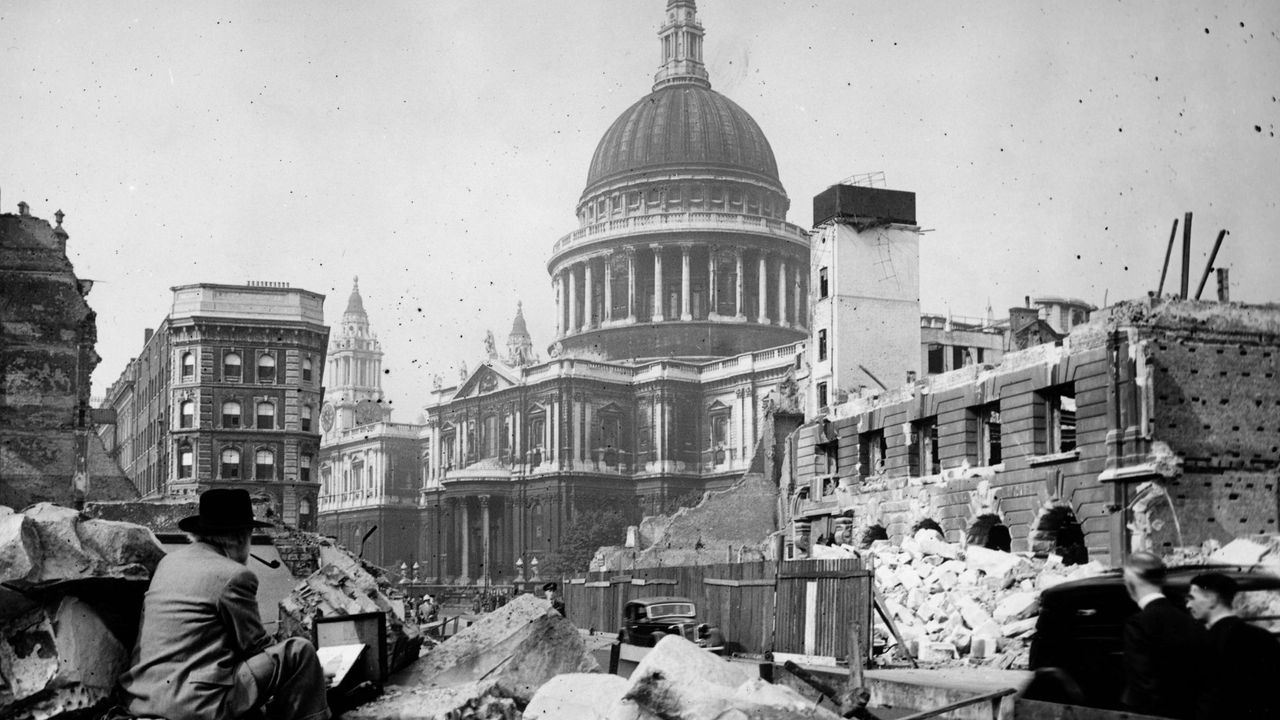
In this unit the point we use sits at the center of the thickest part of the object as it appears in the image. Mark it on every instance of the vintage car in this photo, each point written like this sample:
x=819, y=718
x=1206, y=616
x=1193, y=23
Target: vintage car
x=646, y=620
x=1078, y=649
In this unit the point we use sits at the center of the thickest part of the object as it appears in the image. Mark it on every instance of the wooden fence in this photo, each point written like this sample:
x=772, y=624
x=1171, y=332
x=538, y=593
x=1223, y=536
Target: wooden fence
x=804, y=606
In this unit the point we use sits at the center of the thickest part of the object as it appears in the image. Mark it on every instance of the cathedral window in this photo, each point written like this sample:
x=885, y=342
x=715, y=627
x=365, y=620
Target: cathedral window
x=187, y=414
x=231, y=414
x=266, y=416
x=188, y=366
x=230, y=466
x=266, y=368
x=264, y=465
x=231, y=367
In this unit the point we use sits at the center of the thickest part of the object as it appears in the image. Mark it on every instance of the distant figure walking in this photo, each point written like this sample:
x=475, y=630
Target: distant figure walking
x=1243, y=660
x=551, y=591
x=1163, y=646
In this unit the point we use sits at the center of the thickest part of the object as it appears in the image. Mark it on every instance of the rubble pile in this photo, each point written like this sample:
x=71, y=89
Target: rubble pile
x=489, y=670
x=346, y=585
x=951, y=602
x=70, y=590
x=677, y=679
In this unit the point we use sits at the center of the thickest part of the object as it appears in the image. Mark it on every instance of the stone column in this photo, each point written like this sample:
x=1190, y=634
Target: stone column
x=555, y=291
x=573, y=301
x=553, y=425
x=684, y=283
x=608, y=288
x=737, y=303
x=762, y=280
x=799, y=299
x=782, y=292
x=486, y=546
x=464, y=511
x=713, y=307
x=631, y=284
x=588, y=301
x=657, y=283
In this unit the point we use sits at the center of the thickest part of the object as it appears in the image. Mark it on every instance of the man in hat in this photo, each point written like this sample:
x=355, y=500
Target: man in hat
x=1163, y=645
x=551, y=591
x=202, y=652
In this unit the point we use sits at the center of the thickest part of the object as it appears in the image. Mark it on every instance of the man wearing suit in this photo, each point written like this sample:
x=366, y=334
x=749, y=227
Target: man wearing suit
x=1243, y=660
x=1163, y=646
x=202, y=652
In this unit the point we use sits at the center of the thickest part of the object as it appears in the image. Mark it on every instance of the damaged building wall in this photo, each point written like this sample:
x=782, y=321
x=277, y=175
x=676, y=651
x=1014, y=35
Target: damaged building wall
x=48, y=451
x=1150, y=397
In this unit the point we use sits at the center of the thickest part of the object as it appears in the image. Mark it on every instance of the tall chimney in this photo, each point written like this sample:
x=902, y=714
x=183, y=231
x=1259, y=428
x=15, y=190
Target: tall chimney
x=1186, y=256
x=1224, y=285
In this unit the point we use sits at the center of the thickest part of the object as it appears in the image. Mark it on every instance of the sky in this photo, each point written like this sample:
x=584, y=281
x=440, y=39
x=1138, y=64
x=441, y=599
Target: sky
x=437, y=149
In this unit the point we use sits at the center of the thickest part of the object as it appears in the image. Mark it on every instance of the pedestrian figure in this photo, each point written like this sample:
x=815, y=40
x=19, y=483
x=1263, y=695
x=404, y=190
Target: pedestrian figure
x=1163, y=646
x=551, y=591
x=202, y=652
x=1242, y=660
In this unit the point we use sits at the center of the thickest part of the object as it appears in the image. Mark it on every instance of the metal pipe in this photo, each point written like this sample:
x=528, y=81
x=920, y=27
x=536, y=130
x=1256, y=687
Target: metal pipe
x=1173, y=235
x=1213, y=255
x=1186, y=256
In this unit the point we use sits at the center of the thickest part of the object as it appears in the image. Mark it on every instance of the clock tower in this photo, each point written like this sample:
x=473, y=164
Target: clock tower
x=353, y=395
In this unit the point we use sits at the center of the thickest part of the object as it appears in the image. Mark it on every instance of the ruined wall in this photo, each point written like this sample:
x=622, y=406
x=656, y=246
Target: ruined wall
x=48, y=451
x=1217, y=406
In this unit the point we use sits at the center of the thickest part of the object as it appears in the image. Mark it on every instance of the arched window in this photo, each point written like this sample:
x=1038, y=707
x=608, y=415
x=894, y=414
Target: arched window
x=188, y=366
x=266, y=416
x=187, y=414
x=306, y=418
x=266, y=368
x=264, y=465
x=306, y=369
x=230, y=466
x=304, y=469
x=186, y=461
x=231, y=414
x=231, y=367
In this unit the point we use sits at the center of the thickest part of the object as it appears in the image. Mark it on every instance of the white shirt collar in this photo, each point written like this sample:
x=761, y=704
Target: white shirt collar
x=1147, y=599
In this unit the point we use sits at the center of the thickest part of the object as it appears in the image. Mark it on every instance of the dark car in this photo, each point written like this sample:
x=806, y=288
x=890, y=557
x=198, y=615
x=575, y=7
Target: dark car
x=1080, y=633
x=646, y=620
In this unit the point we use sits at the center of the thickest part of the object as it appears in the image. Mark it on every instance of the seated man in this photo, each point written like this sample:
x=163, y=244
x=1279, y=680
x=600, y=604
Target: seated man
x=551, y=591
x=202, y=652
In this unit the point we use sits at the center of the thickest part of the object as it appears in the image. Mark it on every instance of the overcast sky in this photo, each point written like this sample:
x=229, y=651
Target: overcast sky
x=437, y=149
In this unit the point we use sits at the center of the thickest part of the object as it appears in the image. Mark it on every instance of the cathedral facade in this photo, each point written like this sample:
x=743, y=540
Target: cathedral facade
x=682, y=313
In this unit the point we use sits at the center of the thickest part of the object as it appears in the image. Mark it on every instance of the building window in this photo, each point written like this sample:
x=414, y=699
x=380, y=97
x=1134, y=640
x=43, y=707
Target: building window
x=231, y=367
x=306, y=418
x=959, y=357
x=188, y=366
x=823, y=286
x=266, y=416
x=936, y=360
x=264, y=465
x=822, y=348
x=266, y=368
x=989, y=452
x=304, y=468
x=822, y=394
x=873, y=448
x=924, y=447
x=230, y=466
x=1060, y=419
x=186, y=461
x=187, y=414
x=231, y=414
x=306, y=369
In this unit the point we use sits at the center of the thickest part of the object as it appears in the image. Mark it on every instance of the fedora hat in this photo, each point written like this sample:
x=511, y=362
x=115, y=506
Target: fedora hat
x=222, y=510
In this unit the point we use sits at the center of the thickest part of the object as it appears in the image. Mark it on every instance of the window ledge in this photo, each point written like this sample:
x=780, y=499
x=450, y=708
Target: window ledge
x=1067, y=456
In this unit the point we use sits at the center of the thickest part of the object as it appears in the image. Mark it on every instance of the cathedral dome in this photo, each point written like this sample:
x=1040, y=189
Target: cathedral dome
x=682, y=127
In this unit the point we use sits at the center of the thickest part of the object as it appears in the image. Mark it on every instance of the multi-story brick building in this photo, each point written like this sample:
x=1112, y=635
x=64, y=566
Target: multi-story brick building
x=1151, y=425
x=226, y=393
